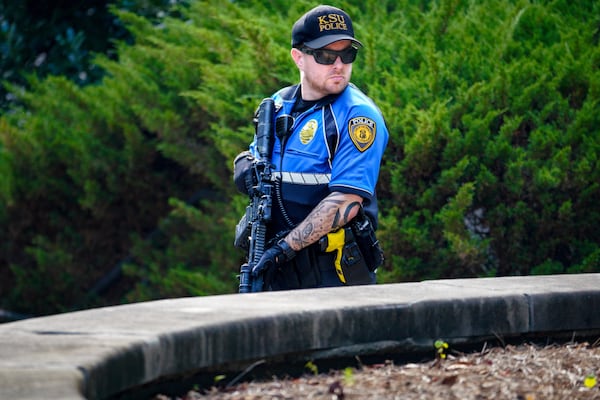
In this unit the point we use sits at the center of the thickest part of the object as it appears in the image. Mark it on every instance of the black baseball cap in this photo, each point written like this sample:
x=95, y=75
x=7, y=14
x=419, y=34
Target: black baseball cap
x=322, y=26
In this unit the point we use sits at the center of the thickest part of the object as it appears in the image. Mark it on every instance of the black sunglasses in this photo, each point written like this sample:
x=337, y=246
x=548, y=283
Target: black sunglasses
x=328, y=57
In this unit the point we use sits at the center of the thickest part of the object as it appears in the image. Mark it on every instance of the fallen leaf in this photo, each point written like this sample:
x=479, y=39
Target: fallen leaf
x=450, y=380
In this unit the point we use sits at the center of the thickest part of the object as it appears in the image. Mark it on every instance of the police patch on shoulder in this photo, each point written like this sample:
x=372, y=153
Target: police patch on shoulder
x=307, y=133
x=362, y=132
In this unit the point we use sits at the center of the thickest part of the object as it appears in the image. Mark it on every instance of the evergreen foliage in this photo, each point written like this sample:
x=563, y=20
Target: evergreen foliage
x=60, y=38
x=492, y=166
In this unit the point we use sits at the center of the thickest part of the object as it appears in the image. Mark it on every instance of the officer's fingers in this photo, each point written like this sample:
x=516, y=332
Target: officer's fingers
x=260, y=267
x=257, y=270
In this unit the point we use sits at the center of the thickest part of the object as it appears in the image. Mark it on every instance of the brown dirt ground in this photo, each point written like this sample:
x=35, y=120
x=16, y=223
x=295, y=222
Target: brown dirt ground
x=516, y=372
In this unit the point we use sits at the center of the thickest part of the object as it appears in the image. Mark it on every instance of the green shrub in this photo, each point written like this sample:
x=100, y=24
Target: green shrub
x=494, y=173
x=491, y=169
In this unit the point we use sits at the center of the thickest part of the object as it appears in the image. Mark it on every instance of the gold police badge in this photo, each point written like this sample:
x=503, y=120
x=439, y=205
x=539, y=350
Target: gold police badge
x=307, y=133
x=362, y=132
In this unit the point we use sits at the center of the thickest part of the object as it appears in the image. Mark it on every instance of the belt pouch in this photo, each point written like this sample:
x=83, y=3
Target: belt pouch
x=353, y=263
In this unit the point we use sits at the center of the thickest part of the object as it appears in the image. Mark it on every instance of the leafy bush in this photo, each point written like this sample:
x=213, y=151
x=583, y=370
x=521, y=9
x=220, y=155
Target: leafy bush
x=492, y=165
x=497, y=162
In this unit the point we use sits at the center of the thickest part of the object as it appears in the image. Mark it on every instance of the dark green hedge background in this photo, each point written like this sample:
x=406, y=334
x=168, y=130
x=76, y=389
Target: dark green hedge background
x=119, y=189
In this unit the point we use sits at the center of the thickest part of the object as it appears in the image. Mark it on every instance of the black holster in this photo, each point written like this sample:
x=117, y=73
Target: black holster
x=367, y=241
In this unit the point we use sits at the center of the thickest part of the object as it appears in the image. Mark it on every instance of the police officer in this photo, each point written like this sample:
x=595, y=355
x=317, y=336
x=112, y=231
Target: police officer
x=326, y=165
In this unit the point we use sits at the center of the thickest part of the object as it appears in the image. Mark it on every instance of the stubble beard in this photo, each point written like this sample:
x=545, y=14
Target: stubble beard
x=326, y=87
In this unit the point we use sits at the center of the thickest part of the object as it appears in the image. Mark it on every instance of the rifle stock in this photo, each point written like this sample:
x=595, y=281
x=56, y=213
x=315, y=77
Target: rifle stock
x=258, y=212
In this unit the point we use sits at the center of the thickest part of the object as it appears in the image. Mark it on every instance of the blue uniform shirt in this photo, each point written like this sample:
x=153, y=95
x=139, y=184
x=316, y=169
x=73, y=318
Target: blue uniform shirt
x=334, y=146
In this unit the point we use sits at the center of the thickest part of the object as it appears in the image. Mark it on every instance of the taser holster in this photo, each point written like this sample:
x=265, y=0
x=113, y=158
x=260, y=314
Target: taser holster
x=350, y=264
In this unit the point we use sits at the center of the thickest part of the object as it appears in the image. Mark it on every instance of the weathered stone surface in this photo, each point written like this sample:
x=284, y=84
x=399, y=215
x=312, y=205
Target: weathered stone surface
x=97, y=353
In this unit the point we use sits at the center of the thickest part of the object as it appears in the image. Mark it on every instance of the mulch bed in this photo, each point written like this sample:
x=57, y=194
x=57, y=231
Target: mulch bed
x=516, y=372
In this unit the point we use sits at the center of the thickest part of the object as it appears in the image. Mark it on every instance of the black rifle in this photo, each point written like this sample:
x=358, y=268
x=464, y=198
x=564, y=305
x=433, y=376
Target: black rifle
x=258, y=212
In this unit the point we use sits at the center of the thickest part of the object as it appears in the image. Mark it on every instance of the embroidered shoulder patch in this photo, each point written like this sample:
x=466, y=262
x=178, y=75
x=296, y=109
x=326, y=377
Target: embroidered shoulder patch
x=362, y=132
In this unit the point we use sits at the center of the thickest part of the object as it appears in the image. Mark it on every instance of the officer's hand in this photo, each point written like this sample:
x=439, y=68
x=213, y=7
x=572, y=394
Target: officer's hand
x=274, y=256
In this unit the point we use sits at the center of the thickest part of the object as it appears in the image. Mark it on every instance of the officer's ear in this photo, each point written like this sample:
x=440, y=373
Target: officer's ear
x=298, y=58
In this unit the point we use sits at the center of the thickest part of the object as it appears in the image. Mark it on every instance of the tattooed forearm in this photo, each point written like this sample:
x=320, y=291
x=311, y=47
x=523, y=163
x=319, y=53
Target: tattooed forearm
x=331, y=213
x=350, y=212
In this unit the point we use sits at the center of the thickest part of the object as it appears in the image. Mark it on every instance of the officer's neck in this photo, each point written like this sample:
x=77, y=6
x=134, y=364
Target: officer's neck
x=302, y=105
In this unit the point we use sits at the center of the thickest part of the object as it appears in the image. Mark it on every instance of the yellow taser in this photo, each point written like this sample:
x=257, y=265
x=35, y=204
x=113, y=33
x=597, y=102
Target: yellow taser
x=335, y=242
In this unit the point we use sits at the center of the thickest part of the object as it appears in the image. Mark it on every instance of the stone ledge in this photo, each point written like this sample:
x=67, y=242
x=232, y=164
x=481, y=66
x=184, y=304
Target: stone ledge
x=98, y=353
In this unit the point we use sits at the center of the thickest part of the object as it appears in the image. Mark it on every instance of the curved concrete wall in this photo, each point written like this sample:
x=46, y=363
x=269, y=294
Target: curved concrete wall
x=97, y=353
